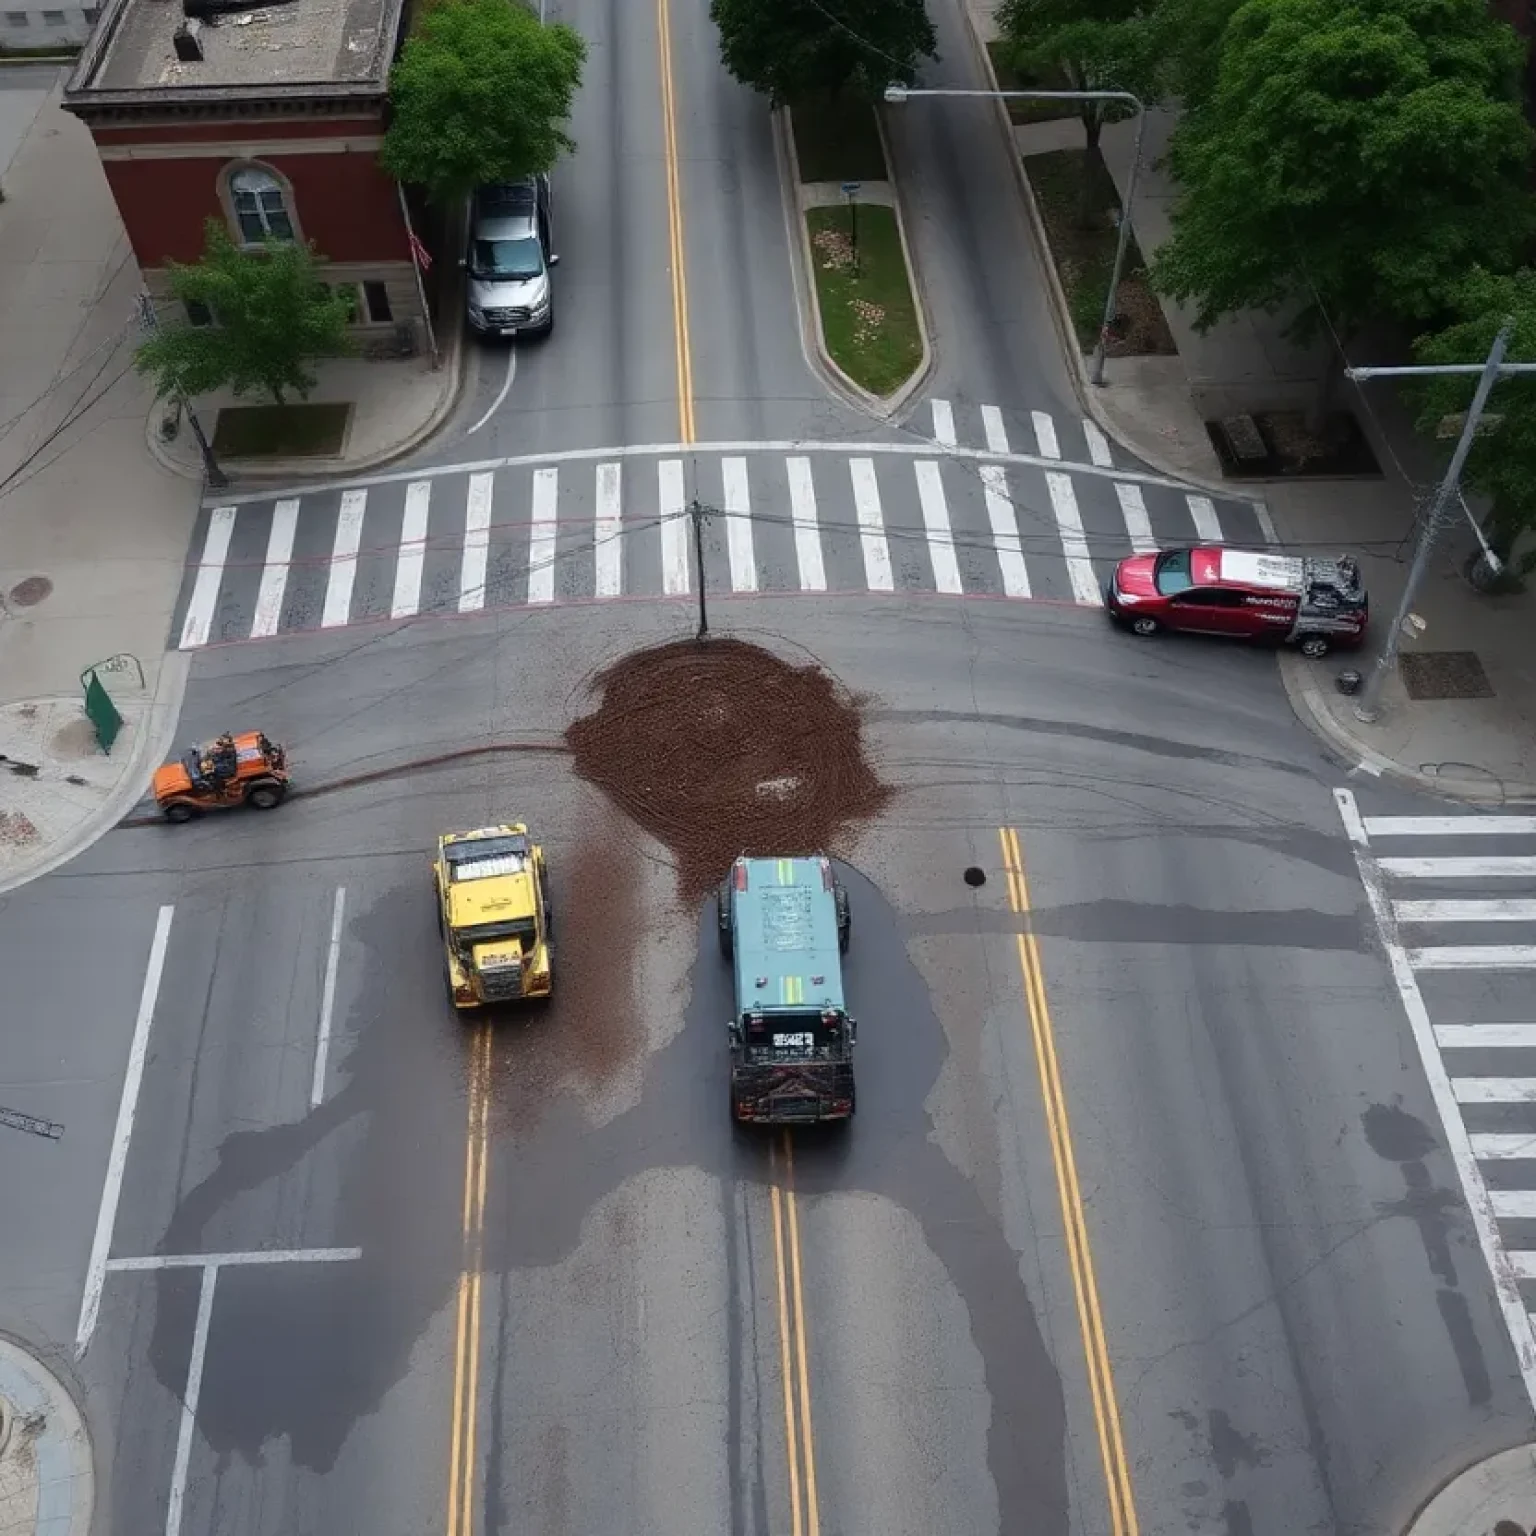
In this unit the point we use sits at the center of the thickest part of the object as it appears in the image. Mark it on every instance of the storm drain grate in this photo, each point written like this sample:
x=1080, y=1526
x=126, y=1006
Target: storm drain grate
x=1445, y=675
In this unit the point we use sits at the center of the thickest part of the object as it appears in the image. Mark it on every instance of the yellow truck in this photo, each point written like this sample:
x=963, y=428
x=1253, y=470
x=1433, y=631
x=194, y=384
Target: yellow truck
x=494, y=914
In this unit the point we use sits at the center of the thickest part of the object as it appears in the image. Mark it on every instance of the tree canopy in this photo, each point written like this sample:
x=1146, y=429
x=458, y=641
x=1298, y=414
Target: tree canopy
x=482, y=92
x=273, y=316
x=1502, y=464
x=794, y=49
x=1355, y=155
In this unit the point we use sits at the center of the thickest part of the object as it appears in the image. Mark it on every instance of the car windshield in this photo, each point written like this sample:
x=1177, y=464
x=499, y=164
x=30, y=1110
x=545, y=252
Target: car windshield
x=1171, y=574
x=508, y=260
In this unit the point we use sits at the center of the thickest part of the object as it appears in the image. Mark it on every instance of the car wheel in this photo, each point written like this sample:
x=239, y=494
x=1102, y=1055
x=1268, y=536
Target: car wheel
x=265, y=797
x=1145, y=625
x=1314, y=647
x=179, y=813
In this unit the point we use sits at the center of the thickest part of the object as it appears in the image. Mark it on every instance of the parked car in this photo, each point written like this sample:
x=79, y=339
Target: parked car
x=1316, y=605
x=508, y=291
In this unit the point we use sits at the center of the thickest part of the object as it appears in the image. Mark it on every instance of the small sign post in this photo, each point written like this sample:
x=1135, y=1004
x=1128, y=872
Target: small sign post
x=99, y=708
x=851, y=192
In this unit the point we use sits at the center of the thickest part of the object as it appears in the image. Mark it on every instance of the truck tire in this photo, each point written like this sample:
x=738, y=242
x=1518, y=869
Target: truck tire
x=1313, y=647
x=723, y=922
x=179, y=812
x=265, y=795
x=844, y=918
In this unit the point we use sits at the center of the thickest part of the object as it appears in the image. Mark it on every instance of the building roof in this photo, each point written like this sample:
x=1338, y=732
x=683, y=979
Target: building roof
x=297, y=49
x=786, y=937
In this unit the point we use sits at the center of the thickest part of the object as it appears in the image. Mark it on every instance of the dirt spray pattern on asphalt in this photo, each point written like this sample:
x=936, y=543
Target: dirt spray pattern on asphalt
x=719, y=747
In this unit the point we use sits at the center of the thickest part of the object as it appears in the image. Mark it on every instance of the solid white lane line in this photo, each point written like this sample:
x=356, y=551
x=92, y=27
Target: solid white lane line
x=413, y=550
x=1513, y=1204
x=541, y=538
x=1462, y=1147
x=343, y=572
x=1504, y=1147
x=802, y=509
x=506, y=385
x=609, y=543
x=1450, y=826
x=992, y=425
x=941, y=541
x=943, y=424
x=190, y=1396
x=210, y=577
x=122, y=1132
x=866, y=505
x=154, y=1261
x=274, y=574
x=1045, y=435
x=1074, y=543
x=1005, y=530
x=1490, y=911
x=1508, y=867
x=1486, y=1037
x=1494, y=1090
x=1098, y=444
x=477, y=543
x=737, y=506
x=328, y=998
x=1207, y=525
x=1133, y=507
x=1473, y=957
x=672, y=504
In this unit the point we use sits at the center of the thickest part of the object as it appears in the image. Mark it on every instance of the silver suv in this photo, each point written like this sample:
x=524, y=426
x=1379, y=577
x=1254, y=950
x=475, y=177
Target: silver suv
x=508, y=290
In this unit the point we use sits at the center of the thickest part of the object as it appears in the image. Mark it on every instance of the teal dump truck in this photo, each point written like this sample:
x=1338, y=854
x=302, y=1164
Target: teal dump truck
x=784, y=925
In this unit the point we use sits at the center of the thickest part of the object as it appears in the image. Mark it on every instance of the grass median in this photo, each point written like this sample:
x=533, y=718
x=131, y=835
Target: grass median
x=868, y=316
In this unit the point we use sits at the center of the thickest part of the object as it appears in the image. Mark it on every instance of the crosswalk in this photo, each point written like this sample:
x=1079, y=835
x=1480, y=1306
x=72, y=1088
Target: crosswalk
x=1454, y=897
x=928, y=517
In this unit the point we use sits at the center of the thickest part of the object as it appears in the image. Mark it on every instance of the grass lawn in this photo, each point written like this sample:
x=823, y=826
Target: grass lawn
x=1010, y=79
x=281, y=431
x=838, y=140
x=1085, y=257
x=869, y=321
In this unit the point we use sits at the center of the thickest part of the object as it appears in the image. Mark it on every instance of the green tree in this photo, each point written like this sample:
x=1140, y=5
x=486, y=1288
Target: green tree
x=1355, y=157
x=1502, y=464
x=791, y=50
x=273, y=317
x=481, y=92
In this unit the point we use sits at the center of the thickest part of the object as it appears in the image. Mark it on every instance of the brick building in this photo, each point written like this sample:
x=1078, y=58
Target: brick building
x=269, y=119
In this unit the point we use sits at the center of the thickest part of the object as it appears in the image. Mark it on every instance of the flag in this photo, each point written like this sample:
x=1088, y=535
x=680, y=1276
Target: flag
x=419, y=253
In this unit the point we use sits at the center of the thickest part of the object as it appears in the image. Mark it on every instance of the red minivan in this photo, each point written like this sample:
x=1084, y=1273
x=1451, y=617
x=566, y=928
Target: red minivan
x=1244, y=593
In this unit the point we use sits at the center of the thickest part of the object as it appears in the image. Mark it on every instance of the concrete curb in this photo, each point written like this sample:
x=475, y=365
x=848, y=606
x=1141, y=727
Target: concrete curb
x=1475, y=1502
x=1061, y=314
x=813, y=338
x=150, y=746
x=1310, y=707
x=243, y=471
x=59, y=1488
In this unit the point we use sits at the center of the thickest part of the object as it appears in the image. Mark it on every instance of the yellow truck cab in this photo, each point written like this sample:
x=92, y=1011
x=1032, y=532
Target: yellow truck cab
x=493, y=911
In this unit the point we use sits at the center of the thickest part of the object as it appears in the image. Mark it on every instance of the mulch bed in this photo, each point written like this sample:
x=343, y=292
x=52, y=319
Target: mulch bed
x=1274, y=445
x=281, y=431
x=718, y=748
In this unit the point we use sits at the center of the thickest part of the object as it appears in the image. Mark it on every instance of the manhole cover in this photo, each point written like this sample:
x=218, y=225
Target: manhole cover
x=29, y=592
x=974, y=877
x=1444, y=675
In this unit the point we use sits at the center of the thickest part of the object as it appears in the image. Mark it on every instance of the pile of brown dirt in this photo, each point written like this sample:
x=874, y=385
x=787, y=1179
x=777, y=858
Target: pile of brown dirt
x=720, y=748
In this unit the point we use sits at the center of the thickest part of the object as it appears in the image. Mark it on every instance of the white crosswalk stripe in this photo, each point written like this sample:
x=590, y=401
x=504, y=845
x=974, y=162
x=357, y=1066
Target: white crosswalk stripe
x=1207, y=525
x=1098, y=444
x=944, y=424
x=1464, y=964
x=579, y=526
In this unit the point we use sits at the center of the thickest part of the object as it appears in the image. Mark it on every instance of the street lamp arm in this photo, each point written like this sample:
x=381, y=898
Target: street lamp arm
x=1503, y=371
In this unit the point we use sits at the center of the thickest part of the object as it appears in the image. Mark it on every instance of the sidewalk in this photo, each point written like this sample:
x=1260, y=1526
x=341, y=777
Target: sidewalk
x=1497, y=1497
x=1480, y=747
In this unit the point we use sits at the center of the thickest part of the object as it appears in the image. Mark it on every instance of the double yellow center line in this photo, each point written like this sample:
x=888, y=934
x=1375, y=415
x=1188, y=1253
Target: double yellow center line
x=794, y=1367
x=678, y=261
x=1101, y=1382
x=466, y=1359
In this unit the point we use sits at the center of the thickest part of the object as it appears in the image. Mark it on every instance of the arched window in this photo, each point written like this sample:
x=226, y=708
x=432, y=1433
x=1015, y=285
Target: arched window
x=260, y=203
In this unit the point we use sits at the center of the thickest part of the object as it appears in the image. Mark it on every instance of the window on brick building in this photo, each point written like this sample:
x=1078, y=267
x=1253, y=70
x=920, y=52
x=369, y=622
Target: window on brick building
x=261, y=205
x=53, y=18
x=376, y=297
x=17, y=19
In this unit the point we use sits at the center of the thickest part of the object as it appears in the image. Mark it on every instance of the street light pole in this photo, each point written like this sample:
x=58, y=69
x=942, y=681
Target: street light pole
x=898, y=94
x=1369, y=707
x=697, y=512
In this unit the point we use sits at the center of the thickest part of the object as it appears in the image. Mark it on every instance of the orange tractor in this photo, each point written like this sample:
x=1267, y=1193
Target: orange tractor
x=234, y=770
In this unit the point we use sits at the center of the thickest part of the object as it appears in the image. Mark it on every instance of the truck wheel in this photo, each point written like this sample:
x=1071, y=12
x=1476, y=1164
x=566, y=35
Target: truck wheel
x=1145, y=625
x=265, y=797
x=723, y=922
x=844, y=918
x=1313, y=647
x=179, y=812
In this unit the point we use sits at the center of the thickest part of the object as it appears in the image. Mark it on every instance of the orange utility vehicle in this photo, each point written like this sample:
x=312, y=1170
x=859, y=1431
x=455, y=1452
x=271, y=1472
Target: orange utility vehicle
x=234, y=770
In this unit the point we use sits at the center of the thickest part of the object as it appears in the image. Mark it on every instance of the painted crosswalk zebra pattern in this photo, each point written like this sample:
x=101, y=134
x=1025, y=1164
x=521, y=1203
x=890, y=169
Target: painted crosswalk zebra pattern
x=595, y=526
x=1454, y=897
